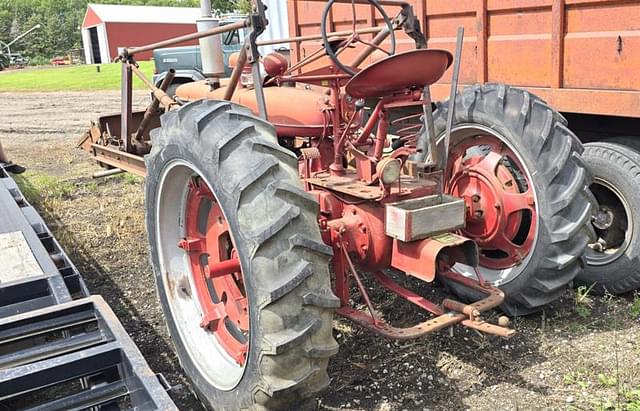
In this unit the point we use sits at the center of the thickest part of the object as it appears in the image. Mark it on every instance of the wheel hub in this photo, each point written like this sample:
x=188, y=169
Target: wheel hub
x=216, y=271
x=499, y=200
x=603, y=218
x=613, y=223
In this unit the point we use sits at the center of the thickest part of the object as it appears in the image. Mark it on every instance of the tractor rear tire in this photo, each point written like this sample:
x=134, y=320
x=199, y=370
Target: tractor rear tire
x=616, y=268
x=540, y=153
x=284, y=263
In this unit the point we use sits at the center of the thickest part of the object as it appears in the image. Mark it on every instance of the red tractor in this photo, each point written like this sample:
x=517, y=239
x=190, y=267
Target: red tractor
x=258, y=185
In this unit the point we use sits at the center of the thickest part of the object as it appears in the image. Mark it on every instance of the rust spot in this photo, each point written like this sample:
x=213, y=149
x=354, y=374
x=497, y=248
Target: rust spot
x=183, y=287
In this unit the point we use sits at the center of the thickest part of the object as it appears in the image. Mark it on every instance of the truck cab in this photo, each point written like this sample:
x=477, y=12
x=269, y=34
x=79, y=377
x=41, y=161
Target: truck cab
x=187, y=62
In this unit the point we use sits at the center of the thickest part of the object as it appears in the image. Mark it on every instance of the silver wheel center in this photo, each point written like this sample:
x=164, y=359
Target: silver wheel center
x=613, y=223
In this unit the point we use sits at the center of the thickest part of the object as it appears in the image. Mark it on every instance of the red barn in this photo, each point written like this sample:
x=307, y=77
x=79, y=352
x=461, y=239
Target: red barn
x=107, y=28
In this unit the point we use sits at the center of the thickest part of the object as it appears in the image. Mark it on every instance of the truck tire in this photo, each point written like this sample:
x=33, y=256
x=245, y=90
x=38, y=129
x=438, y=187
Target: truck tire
x=630, y=142
x=221, y=187
x=518, y=167
x=613, y=261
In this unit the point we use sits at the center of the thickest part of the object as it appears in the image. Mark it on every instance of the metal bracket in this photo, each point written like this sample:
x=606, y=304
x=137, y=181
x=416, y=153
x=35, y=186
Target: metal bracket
x=411, y=26
x=258, y=24
x=452, y=96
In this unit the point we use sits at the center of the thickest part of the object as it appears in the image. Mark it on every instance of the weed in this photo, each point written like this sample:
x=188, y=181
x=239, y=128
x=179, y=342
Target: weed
x=131, y=179
x=575, y=378
x=634, y=310
x=91, y=187
x=607, y=380
x=583, y=301
x=128, y=178
x=628, y=400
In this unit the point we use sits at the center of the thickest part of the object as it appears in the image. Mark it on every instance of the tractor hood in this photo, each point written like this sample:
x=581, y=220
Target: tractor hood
x=295, y=112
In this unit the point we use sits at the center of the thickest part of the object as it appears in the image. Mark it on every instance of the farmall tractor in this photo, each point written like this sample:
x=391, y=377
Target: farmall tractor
x=273, y=200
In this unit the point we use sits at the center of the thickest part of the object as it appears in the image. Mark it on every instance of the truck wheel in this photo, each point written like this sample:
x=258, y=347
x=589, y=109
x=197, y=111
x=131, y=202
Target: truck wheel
x=241, y=271
x=517, y=165
x=612, y=260
x=630, y=142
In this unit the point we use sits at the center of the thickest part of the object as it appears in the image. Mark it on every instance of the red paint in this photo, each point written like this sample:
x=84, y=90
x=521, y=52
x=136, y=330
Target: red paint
x=545, y=46
x=90, y=18
x=293, y=111
x=140, y=34
x=496, y=205
x=216, y=272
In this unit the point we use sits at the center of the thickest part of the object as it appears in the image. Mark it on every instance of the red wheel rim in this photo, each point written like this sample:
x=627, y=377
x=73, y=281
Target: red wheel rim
x=501, y=213
x=216, y=271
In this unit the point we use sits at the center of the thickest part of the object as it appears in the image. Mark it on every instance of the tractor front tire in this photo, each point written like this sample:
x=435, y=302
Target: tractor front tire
x=518, y=167
x=216, y=168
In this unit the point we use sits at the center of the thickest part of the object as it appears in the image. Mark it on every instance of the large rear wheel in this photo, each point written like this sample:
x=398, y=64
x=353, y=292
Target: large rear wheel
x=517, y=165
x=240, y=267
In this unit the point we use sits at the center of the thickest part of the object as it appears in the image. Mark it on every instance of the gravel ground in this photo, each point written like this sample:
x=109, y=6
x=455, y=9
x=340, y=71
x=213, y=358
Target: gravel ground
x=581, y=353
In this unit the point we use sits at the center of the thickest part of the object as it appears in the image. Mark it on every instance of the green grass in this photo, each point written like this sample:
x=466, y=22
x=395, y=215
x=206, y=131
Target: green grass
x=38, y=186
x=70, y=78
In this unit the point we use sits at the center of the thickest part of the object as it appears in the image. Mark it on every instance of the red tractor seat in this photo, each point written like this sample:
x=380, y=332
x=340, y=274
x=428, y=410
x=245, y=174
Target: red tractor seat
x=411, y=69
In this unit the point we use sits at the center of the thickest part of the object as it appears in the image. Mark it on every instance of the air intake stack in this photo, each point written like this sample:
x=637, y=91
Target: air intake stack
x=210, y=47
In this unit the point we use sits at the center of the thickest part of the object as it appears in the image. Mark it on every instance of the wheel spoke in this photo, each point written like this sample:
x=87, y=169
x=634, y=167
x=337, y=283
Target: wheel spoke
x=489, y=163
x=373, y=45
x=346, y=45
x=198, y=188
x=514, y=251
x=212, y=315
x=236, y=303
x=192, y=244
x=513, y=202
x=237, y=349
x=223, y=268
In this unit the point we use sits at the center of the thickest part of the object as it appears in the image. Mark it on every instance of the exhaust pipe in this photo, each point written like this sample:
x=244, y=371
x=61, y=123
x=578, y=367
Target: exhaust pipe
x=210, y=47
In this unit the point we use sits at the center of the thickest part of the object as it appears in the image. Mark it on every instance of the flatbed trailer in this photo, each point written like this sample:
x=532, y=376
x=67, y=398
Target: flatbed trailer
x=60, y=347
x=578, y=55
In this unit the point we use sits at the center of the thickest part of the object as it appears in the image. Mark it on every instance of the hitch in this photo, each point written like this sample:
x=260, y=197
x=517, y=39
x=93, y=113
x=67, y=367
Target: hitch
x=450, y=313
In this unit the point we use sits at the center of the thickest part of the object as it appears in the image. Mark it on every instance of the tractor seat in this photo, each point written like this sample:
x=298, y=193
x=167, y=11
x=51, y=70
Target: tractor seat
x=411, y=69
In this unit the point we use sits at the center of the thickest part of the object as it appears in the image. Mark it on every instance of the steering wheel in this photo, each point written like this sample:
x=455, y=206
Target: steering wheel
x=333, y=51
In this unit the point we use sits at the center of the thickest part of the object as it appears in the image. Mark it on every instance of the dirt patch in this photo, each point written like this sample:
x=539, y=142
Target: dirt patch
x=580, y=353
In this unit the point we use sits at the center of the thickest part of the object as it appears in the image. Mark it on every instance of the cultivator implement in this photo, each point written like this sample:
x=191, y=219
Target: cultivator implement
x=60, y=348
x=255, y=183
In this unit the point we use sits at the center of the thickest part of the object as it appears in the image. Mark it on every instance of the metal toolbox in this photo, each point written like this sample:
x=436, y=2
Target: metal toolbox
x=423, y=217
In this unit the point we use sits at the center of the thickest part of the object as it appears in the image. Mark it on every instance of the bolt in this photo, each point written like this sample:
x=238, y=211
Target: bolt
x=478, y=214
x=475, y=198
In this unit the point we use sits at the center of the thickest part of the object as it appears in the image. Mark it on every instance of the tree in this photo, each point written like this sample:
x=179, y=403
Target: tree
x=61, y=21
